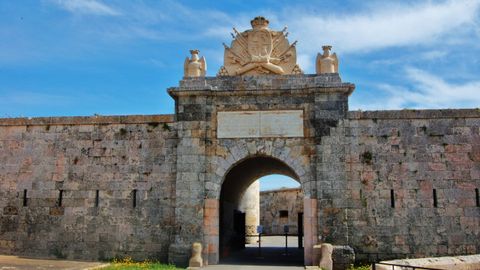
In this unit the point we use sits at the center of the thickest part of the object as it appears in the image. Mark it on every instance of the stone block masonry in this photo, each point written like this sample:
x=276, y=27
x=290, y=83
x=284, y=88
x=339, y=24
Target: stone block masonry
x=389, y=184
x=412, y=178
x=281, y=207
x=87, y=187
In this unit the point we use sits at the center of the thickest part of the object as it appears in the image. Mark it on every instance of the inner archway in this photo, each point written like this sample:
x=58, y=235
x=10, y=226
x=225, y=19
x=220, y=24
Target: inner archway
x=233, y=220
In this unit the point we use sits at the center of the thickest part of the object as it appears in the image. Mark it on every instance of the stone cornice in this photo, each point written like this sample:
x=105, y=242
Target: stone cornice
x=241, y=85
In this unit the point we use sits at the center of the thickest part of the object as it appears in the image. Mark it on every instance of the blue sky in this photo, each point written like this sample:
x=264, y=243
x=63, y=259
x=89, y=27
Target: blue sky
x=116, y=57
x=275, y=181
x=85, y=57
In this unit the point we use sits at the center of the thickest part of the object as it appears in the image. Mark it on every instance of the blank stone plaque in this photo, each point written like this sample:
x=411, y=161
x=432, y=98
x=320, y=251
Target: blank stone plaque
x=260, y=124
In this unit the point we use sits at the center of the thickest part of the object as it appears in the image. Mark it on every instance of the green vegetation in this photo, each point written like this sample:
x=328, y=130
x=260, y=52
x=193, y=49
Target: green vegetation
x=128, y=264
x=361, y=267
x=166, y=127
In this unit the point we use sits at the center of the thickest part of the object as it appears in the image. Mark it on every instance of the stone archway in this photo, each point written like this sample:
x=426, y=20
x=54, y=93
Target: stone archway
x=219, y=214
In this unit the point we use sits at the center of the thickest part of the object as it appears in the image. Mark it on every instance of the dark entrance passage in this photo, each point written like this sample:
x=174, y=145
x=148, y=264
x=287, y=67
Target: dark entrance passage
x=239, y=230
x=273, y=256
x=233, y=246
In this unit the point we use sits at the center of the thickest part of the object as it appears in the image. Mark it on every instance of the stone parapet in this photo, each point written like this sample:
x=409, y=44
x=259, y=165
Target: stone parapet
x=415, y=114
x=323, y=82
x=88, y=120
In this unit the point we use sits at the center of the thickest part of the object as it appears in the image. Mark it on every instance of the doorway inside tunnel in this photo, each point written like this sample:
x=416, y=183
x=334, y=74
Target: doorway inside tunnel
x=261, y=214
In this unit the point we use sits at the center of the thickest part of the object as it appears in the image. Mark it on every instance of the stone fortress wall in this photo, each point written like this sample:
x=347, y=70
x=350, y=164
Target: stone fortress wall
x=415, y=168
x=407, y=154
x=87, y=187
x=272, y=202
x=390, y=184
x=412, y=184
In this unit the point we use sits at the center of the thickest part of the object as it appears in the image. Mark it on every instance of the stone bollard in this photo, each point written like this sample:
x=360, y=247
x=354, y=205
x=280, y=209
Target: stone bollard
x=196, y=260
x=326, y=261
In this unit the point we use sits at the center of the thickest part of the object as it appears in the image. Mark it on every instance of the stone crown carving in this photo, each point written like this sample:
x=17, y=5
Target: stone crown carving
x=260, y=51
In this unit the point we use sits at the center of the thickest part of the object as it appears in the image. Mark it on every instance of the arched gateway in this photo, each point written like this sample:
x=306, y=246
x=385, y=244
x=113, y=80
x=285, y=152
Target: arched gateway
x=237, y=180
x=235, y=129
x=224, y=118
x=388, y=184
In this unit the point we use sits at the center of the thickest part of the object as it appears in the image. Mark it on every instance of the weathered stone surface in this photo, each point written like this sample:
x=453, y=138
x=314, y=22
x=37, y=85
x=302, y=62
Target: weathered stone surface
x=86, y=156
x=274, y=201
x=368, y=178
x=260, y=124
x=407, y=154
x=343, y=257
x=457, y=262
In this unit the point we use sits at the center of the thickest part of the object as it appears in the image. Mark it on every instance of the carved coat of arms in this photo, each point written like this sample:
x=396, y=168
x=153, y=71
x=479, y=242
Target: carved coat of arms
x=260, y=51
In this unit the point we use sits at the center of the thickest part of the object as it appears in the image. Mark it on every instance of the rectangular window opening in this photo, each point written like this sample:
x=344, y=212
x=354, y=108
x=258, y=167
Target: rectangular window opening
x=134, y=198
x=435, y=200
x=477, y=197
x=25, y=200
x=392, y=198
x=283, y=213
x=97, y=197
x=60, y=198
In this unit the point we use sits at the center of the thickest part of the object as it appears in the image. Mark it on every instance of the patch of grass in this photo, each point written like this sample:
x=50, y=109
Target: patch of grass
x=362, y=267
x=129, y=264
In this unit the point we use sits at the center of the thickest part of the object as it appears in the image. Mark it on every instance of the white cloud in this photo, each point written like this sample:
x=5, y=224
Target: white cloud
x=433, y=90
x=93, y=7
x=385, y=26
x=426, y=91
x=435, y=25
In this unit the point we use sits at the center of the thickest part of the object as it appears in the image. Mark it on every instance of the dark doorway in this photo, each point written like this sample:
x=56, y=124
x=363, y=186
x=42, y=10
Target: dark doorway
x=300, y=230
x=239, y=230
